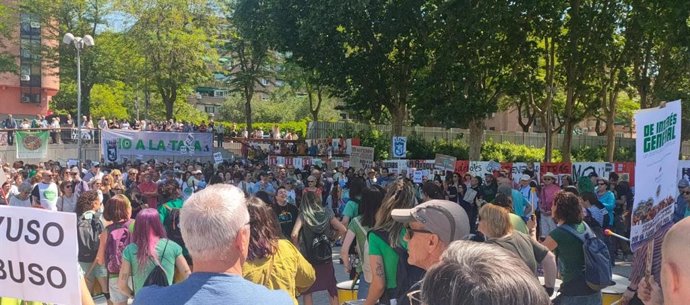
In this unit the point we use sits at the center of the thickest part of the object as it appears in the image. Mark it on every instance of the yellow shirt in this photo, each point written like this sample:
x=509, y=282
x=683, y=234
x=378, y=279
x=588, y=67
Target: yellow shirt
x=286, y=270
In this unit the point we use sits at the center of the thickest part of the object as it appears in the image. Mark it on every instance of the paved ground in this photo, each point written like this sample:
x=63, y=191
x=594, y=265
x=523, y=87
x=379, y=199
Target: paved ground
x=321, y=298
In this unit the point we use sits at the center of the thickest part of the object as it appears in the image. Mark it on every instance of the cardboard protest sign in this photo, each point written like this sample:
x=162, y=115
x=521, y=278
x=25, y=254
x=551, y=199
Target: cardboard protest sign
x=462, y=166
x=657, y=148
x=445, y=162
x=38, y=261
x=217, y=157
x=362, y=157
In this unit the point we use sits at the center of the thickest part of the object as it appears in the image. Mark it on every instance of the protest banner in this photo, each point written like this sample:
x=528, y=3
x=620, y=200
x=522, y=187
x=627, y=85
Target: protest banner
x=38, y=261
x=683, y=170
x=519, y=169
x=116, y=144
x=445, y=162
x=559, y=169
x=32, y=144
x=657, y=148
x=361, y=157
x=462, y=166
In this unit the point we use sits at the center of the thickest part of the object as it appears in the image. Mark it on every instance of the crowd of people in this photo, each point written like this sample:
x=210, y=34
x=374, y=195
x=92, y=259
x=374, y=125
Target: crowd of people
x=243, y=233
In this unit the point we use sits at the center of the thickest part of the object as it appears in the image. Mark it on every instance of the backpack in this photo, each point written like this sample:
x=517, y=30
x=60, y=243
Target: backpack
x=597, y=260
x=172, y=225
x=88, y=232
x=406, y=275
x=118, y=238
x=316, y=246
x=158, y=276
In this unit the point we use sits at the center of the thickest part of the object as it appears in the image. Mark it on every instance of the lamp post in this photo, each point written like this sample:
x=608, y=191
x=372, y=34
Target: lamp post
x=79, y=44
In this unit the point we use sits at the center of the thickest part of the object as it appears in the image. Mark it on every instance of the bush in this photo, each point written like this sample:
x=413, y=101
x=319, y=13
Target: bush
x=509, y=152
x=598, y=154
x=300, y=127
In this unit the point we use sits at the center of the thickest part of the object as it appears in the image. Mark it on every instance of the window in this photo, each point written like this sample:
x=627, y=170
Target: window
x=210, y=109
x=264, y=82
x=31, y=95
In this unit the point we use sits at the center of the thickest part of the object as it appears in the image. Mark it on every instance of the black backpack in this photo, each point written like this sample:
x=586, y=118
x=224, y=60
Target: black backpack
x=406, y=275
x=88, y=232
x=172, y=225
x=316, y=246
x=157, y=276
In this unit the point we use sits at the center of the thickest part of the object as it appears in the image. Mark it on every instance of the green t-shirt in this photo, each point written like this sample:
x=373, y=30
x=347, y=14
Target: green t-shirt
x=571, y=258
x=351, y=209
x=172, y=251
x=173, y=204
x=379, y=247
x=361, y=236
x=518, y=224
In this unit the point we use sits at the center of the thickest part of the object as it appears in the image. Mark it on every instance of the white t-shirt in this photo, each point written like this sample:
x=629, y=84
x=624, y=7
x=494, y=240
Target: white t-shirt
x=47, y=195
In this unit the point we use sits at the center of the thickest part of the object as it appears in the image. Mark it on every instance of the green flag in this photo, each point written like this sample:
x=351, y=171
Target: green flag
x=32, y=144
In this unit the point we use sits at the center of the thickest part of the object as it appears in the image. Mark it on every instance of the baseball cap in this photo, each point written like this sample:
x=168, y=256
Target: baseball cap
x=444, y=218
x=525, y=178
x=683, y=183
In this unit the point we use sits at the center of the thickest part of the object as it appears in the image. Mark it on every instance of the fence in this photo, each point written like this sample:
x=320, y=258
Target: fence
x=325, y=129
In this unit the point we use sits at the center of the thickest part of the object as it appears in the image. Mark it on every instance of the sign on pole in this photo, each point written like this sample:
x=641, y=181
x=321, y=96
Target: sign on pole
x=399, y=147
x=39, y=255
x=657, y=148
x=217, y=157
x=445, y=162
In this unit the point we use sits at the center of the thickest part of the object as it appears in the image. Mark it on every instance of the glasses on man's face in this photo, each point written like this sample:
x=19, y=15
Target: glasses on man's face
x=311, y=181
x=685, y=192
x=602, y=183
x=415, y=297
x=410, y=231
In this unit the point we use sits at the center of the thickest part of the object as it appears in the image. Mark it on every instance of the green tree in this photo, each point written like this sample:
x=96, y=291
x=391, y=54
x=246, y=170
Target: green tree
x=176, y=40
x=7, y=61
x=108, y=101
x=367, y=52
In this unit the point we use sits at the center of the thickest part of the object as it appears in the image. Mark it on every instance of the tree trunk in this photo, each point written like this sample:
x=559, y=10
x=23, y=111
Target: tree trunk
x=610, y=130
x=398, y=115
x=476, y=136
x=248, y=94
x=569, y=124
x=168, y=108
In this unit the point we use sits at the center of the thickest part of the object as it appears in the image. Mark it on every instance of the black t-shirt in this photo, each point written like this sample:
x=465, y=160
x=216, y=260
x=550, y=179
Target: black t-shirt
x=287, y=215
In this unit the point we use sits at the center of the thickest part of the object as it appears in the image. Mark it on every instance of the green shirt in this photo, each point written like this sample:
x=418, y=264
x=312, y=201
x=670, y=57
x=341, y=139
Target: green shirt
x=351, y=209
x=172, y=204
x=570, y=255
x=361, y=236
x=518, y=224
x=172, y=251
x=379, y=247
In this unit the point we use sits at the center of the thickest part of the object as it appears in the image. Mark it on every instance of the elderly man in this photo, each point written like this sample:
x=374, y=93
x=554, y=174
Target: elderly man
x=215, y=227
x=431, y=227
x=675, y=271
x=681, y=208
x=45, y=193
x=475, y=273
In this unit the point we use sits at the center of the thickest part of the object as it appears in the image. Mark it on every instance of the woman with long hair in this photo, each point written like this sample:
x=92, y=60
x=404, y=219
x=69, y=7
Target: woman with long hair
x=494, y=223
x=358, y=229
x=149, y=248
x=387, y=235
x=314, y=219
x=272, y=260
x=68, y=200
x=117, y=213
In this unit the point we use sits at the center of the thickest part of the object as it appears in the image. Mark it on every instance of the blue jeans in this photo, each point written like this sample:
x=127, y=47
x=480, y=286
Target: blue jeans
x=363, y=289
x=592, y=299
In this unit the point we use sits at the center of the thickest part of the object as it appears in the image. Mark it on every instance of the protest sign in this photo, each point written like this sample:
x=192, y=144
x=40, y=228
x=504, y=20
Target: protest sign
x=657, y=148
x=519, y=168
x=683, y=170
x=32, y=144
x=217, y=157
x=462, y=166
x=117, y=144
x=399, y=147
x=445, y=162
x=417, y=176
x=38, y=261
x=361, y=157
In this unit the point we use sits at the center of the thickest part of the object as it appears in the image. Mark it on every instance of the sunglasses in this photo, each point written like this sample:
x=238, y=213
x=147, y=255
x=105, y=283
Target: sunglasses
x=685, y=193
x=410, y=231
x=602, y=183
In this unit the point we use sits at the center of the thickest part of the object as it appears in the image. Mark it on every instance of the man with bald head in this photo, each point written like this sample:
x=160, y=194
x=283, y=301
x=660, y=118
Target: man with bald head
x=675, y=270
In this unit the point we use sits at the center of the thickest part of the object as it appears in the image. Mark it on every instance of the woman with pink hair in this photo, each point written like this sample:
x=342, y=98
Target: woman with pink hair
x=149, y=248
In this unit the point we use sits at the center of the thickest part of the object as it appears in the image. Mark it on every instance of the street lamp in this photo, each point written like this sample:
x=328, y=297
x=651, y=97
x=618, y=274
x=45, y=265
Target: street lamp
x=79, y=44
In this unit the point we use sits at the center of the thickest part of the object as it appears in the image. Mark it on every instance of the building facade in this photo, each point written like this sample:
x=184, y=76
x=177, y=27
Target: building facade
x=29, y=91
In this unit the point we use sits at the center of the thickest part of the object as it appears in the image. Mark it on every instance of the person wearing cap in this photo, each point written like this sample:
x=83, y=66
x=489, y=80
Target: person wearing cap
x=526, y=190
x=78, y=185
x=681, y=210
x=94, y=173
x=45, y=193
x=263, y=185
x=430, y=228
x=546, y=196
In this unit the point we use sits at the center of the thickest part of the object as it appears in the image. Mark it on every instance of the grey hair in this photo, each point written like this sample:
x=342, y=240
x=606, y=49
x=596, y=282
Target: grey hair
x=210, y=220
x=473, y=273
x=24, y=187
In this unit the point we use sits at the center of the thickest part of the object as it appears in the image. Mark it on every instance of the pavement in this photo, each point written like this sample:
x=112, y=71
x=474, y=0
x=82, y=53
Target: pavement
x=622, y=269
